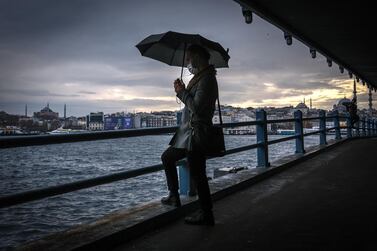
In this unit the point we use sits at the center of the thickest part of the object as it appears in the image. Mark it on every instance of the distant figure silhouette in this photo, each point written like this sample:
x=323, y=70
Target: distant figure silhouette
x=199, y=98
x=352, y=110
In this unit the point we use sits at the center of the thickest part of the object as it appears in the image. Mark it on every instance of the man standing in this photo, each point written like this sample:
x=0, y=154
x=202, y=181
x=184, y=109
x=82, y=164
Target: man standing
x=199, y=98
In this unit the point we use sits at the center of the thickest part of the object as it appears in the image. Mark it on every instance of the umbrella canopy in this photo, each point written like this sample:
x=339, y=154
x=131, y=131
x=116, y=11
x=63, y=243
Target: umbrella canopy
x=170, y=48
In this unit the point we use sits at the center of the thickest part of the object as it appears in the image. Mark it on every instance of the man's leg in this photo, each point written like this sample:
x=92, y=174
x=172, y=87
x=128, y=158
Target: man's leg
x=169, y=159
x=197, y=166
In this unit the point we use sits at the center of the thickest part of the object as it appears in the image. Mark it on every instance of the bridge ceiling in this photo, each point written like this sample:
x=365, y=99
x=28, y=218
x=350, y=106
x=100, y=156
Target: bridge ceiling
x=344, y=31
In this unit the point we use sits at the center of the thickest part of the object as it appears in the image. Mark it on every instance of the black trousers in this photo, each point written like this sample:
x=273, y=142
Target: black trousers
x=197, y=166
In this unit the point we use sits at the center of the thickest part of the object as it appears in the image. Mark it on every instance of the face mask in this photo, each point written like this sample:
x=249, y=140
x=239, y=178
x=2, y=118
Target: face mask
x=192, y=69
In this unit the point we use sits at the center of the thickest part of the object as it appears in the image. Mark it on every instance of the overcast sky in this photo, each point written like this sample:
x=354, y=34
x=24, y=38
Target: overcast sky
x=83, y=53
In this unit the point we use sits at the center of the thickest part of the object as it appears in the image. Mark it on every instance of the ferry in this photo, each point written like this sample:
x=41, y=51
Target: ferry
x=66, y=131
x=285, y=132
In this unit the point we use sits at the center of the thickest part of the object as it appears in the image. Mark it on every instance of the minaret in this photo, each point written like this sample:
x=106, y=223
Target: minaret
x=65, y=110
x=304, y=100
x=354, y=90
x=370, y=101
x=48, y=105
x=311, y=103
x=25, y=110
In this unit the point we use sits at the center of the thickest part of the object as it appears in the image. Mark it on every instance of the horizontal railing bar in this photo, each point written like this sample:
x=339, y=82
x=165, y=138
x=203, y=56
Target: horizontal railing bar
x=238, y=124
x=331, y=117
x=241, y=149
x=275, y=141
x=17, y=141
x=37, y=194
x=312, y=133
x=280, y=121
x=310, y=118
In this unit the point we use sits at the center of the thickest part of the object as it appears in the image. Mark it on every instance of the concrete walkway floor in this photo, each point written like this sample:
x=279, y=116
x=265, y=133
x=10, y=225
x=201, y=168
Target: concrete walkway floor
x=326, y=203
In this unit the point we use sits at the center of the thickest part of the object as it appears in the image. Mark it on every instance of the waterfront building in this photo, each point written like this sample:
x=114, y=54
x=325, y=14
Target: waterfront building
x=95, y=121
x=118, y=122
x=301, y=107
x=46, y=114
x=160, y=120
x=340, y=106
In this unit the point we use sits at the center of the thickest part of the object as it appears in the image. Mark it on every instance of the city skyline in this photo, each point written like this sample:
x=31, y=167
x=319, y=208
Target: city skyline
x=85, y=56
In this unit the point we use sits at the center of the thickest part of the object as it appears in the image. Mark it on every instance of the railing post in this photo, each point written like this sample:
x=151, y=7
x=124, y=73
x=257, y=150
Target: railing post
x=337, y=125
x=262, y=150
x=186, y=186
x=368, y=126
x=358, y=128
x=363, y=126
x=349, y=126
x=374, y=126
x=322, y=127
x=299, y=132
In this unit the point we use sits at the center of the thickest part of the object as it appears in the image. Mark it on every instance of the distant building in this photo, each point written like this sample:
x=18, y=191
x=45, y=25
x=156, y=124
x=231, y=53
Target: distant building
x=301, y=107
x=95, y=121
x=340, y=107
x=137, y=120
x=118, y=122
x=225, y=119
x=81, y=122
x=46, y=114
x=160, y=121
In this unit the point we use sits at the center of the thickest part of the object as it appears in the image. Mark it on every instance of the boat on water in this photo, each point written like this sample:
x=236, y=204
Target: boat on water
x=285, y=132
x=66, y=131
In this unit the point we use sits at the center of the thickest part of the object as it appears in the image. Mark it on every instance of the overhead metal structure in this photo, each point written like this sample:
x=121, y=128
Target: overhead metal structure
x=344, y=32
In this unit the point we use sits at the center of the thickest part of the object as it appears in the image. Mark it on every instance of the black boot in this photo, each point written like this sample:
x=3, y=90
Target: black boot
x=172, y=199
x=201, y=218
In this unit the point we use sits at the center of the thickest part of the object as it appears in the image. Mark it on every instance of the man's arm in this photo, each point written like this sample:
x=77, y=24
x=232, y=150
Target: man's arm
x=196, y=104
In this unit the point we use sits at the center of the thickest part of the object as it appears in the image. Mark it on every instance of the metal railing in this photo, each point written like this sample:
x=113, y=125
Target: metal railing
x=368, y=128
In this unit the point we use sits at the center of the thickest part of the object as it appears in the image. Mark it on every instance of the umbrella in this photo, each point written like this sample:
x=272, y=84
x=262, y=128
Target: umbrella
x=170, y=48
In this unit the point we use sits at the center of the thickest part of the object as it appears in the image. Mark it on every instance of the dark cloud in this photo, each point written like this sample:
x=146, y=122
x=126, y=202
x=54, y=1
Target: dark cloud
x=37, y=93
x=87, y=92
x=68, y=51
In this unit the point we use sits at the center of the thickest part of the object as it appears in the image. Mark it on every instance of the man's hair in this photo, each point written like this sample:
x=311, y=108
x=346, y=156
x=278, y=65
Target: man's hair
x=199, y=50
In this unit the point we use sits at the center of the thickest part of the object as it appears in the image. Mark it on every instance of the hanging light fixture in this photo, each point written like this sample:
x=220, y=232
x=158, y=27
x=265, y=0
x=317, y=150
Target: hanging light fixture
x=363, y=81
x=341, y=69
x=329, y=62
x=313, y=52
x=248, y=15
x=350, y=74
x=288, y=38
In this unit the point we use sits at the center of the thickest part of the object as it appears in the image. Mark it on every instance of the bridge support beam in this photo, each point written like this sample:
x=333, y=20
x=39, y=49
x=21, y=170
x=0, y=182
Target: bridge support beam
x=337, y=125
x=186, y=184
x=322, y=127
x=262, y=149
x=299, y=132
x=349, y=126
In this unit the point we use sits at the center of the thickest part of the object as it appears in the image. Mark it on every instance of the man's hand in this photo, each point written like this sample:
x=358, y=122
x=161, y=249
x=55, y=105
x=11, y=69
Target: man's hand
x=178, y=85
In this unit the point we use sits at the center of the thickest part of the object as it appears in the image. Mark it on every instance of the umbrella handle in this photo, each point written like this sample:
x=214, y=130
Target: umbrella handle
x=183, y=60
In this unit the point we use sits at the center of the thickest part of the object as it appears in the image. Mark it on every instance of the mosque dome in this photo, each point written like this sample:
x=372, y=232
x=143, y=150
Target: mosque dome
x=301, y=106
x=343, y=101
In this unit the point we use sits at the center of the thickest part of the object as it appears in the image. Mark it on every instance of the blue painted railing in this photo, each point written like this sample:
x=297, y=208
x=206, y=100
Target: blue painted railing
x=368, y=128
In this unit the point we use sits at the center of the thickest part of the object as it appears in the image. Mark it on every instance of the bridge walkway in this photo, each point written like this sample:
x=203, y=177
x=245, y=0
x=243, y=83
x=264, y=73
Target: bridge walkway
x=326, y=203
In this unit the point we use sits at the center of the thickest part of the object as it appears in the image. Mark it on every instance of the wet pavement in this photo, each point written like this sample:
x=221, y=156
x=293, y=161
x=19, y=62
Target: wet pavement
x=326, y=203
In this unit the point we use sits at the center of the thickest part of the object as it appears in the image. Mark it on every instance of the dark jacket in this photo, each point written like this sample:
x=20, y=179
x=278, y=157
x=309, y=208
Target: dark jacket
x=200, y=102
